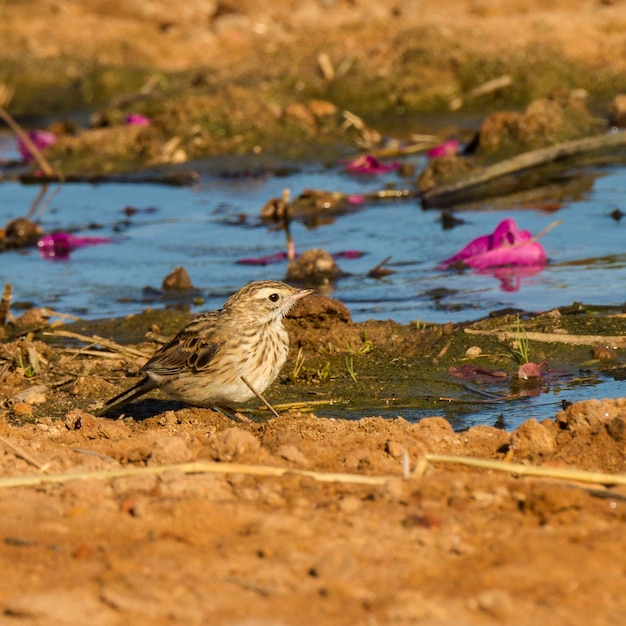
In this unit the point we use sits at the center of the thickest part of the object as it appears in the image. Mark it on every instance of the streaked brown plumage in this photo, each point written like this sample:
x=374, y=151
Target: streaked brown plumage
x=204, y=363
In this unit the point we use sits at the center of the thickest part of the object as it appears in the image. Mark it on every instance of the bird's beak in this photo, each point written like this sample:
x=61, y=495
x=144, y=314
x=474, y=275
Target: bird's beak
x=303, y=293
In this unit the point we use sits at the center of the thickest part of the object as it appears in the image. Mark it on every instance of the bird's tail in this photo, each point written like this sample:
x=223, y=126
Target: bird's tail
x=122, y=399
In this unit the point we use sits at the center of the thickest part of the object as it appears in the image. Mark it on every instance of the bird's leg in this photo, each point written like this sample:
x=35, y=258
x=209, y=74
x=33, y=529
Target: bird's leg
x=234, y=415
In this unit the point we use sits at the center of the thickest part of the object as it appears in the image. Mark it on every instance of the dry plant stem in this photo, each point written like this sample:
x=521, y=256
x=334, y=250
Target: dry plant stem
x=259, y=396
x=381, y=264
x=210, y=467
x=68, y=316
x=582, y=340
x=201, y=467
x=291, y=246
x=562, y=473
x=288, y=406
x=326, y=66
x=98, y=455
x=547, y=229
x=43, y=163
x=33, y=207
x=419, y=144
x=522, y=162
x=105, y=343
x=5, y=303
x=495, y=84
x=22, y=455
x=88, y=352
x=41, y=202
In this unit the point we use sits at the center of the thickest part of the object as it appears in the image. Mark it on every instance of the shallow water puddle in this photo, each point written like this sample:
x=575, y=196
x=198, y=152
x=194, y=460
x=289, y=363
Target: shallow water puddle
x=208, y=227
x=471, y=411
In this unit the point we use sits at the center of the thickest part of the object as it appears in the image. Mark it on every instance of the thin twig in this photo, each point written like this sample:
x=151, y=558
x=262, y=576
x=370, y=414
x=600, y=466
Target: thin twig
x=43, y=163
x=101, y=341
x=259, y=396
x=42, y=202
x=547, y=229
x=288, y=406
x=583, y=340
x=379, y=271
x=291, y=246
x=65, y=316
x=199, y=467
x=495, y=84
x=563, y=473
x=447, y=193
x=22, y=454
x=98, y=455
x=89, y=352
x=5, y=303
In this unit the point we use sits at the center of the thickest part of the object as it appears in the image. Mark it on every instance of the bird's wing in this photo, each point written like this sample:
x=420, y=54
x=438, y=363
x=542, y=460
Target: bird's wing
x=193, y=348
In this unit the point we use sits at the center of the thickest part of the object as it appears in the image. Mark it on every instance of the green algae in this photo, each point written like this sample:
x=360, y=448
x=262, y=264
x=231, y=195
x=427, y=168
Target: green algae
x=384, y=368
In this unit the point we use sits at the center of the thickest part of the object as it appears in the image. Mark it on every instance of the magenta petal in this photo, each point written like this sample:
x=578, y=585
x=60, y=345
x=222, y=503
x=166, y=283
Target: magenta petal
x=41, y=138
x=135, y=119
x=368, y=164
x=524, y=254
x=506, y=246
x=59, y=245
x=507, y=233
x=348, y=254
x=355, y=198
x=529, y=370
x=264, y=260
x=476, y=246
x=447, y=148
x=476, y=373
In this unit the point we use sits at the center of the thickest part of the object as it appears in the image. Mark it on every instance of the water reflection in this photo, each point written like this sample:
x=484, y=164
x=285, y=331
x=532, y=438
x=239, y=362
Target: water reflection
x=214, y=227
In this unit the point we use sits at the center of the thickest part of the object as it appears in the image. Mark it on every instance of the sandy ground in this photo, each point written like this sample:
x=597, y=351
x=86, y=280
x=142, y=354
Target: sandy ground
x=453, y=545
x=182, y=516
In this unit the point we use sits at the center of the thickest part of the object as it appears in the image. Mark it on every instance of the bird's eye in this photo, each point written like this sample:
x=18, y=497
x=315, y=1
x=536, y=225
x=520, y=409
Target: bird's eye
x=274, y=297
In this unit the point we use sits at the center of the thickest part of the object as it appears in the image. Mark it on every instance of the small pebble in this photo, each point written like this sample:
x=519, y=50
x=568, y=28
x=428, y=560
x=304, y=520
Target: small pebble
x=605, y=354
x=349, y=504
x=32, y=395
x=22, y=409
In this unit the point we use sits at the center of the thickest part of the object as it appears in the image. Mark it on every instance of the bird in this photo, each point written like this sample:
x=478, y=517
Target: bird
x=222, y=357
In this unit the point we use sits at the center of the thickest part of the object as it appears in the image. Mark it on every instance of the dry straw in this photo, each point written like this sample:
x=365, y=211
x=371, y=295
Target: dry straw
x=210, y=467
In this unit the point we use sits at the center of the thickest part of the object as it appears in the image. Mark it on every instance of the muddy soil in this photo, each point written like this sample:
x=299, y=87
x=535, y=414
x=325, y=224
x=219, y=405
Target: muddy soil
x=288, y=78
x=453, y=545
x=142, y=535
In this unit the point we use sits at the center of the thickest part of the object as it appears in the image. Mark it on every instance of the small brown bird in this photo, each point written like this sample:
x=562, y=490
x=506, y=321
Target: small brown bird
x=216, y=359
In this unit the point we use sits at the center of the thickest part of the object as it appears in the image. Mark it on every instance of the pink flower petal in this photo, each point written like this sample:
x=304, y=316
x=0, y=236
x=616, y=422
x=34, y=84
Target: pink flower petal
x=277, y=257
x=529, y=370
x=41, y=138
x=507, y=245
x=135, y=119
x=447, y=148
x=368, y=164
x=476, y=373
x=524, y=254
x=355, y=198
x=348, y=254
x=59, y=245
